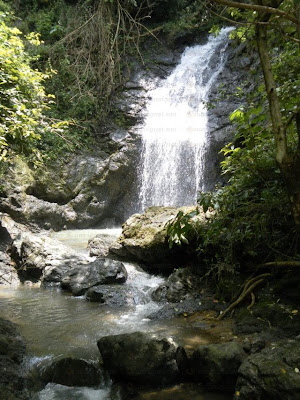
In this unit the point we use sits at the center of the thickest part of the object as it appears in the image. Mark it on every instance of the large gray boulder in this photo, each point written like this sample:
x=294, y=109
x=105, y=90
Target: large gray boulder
x=77, y=192
x=144, y=237
x=216, y=365
x=72, y=372
x=99, y=272
x=36, y=256
x=272, y=374
x=139, y=358
x=42, y=258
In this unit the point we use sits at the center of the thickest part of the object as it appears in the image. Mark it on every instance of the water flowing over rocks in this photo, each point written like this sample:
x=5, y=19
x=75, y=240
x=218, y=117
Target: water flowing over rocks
x=12, y=351
x=99, y=186
x=139, y=358
x=72, y=372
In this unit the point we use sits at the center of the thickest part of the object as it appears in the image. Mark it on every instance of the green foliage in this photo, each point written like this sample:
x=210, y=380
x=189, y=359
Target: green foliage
x=179, y=229
x=23, y=100
x=252, y=221
x=189, y=17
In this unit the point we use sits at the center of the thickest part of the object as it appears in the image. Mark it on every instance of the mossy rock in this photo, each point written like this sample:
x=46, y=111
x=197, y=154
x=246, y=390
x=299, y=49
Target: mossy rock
x=144, y=238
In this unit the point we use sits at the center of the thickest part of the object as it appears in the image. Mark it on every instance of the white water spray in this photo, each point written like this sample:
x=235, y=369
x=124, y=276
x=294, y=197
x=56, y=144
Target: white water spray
x=174, y=136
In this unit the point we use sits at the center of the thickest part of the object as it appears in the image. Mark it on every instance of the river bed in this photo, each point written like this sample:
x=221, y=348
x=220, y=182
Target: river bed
x=56, y=324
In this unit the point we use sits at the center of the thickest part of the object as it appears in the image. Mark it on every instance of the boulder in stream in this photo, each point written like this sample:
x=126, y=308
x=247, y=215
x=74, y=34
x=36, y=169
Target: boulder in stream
x=111, y=295
x=144, y=238
x=139, y=358
x=72, y=372
x=101, y=271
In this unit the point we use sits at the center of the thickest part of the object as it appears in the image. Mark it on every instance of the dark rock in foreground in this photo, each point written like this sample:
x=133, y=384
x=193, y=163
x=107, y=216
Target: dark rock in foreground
x=273, y=374
x=12, y=376
x=72, y=372
x=139, y=358
x=101, y=271
x=216, y=365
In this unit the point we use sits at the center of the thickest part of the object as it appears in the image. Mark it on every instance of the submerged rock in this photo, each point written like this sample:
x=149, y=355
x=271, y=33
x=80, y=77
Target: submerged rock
x=12, y=351
x=139, y=358
x=271, y=374
x=216, y=365
x=144, y=238
x=72, y=372
x=101, y=271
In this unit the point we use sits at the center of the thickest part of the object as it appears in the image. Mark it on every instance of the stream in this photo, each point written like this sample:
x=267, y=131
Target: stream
x=56, y=324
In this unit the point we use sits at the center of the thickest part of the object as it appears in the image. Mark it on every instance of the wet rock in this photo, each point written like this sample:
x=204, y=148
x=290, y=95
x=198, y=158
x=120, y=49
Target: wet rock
x=72, y=372
x=187, y=306
x=216, y=365
x=101, y=271
x=139, y=358
x=144, y=238
x=78, y=192
x=111, y=295
x=12, y=375
x=181, y=284
x=8, y=273
x=99, y=245
x=220, y=130
x=271, y=374
x=39, y=257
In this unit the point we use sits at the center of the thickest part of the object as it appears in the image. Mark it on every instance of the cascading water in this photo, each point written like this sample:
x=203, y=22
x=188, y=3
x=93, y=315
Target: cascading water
x=174, y=136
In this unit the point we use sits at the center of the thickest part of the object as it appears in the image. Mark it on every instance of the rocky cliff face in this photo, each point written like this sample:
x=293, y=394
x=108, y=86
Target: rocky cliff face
x=98, y=187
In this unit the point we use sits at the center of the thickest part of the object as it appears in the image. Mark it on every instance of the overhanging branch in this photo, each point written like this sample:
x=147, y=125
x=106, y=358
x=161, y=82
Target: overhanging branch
x=259, y=8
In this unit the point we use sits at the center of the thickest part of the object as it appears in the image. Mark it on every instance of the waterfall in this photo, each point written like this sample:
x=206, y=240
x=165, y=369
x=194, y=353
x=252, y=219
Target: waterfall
x=174, y=135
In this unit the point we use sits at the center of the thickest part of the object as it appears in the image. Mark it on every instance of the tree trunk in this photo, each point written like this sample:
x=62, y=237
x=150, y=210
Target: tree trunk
x=289, y=166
